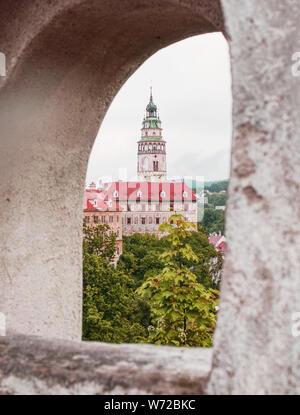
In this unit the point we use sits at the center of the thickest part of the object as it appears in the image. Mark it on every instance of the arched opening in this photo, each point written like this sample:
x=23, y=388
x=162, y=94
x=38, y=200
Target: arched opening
x=191, y=100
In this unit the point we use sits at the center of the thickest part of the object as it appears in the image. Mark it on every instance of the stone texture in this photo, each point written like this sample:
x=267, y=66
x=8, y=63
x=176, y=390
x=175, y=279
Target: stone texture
x=66, y=60
x=255, y=352
x=29, y=365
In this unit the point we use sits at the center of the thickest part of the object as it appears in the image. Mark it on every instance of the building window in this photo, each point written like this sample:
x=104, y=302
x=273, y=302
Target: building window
x=155, y=166
x=143, y=221
x=103, y=219
x=139, y=193
x=116, y=193
x=117, y=218
x=162, y=194
x=157, y=221
x=87, y=219
x=96, y=219
x=118, y=250
x=136, y=221
x=128, y=221
x=111, y=219
x=118, y=232
x=150, y=220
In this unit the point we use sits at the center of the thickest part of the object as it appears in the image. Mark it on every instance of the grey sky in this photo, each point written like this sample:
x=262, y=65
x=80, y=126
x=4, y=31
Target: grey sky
x=191, y=87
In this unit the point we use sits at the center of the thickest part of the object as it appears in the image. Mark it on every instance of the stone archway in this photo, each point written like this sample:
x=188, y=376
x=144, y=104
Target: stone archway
x=65, y=62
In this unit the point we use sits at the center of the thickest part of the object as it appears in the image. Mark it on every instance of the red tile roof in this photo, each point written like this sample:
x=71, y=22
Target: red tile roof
x=218, y=241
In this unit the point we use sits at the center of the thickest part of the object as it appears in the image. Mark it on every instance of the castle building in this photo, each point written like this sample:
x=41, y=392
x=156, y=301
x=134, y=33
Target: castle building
x=147, y=203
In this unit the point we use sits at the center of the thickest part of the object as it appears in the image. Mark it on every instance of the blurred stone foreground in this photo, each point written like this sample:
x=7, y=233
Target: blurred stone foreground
x=65, y=61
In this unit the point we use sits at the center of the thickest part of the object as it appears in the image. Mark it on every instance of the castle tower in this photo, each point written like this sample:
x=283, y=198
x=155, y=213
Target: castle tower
x=152, y=164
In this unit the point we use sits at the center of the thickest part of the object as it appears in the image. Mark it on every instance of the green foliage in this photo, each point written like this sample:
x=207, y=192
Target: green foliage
x=112, y=311
x=99, y=240
x=182, y=309
x=217, y=200
x=214, y=221
x=217, y=186
x=141, y=256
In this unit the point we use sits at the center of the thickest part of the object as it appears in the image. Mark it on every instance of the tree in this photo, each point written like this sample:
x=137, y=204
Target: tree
x=217, y=186
x=99, y=240
x=214, y=220
x=112, y=311
x=182, y=310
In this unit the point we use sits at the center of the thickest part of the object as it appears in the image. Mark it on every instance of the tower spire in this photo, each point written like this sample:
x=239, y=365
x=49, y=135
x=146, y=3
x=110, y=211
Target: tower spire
x=151, y=147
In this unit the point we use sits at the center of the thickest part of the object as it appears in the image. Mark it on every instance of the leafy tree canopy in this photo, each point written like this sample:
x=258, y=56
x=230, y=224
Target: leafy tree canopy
x=112, y=311
x=182, y=309
x=214, y=221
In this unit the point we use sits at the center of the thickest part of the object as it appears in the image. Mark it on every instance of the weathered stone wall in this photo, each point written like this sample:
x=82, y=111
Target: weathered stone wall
x=29, y=365
x=255, y=352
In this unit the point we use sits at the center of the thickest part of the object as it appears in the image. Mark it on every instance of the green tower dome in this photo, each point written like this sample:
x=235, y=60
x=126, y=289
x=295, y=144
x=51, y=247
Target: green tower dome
x=151, y=107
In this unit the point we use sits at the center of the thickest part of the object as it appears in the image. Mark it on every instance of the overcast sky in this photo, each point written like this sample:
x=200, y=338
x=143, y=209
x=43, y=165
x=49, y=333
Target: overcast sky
x=191, y=87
